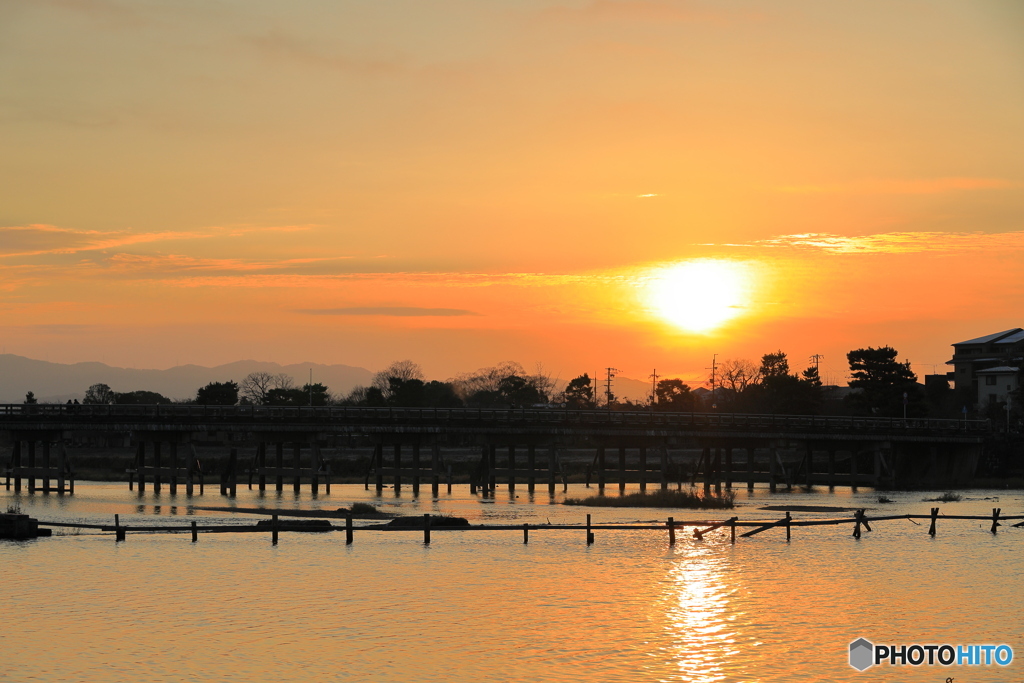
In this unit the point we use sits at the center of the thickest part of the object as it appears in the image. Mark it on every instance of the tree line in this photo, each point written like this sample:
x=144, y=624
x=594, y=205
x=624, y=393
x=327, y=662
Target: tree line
x=881, y=385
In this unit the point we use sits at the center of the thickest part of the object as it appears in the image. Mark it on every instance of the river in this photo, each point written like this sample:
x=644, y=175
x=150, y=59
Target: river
x=484, y=606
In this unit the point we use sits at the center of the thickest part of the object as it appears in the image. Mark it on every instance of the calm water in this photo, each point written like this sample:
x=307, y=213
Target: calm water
x=483, y=606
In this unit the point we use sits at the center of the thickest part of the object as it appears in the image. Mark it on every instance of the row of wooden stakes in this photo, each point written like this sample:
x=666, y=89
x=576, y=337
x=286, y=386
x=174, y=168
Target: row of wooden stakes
x=700, y=527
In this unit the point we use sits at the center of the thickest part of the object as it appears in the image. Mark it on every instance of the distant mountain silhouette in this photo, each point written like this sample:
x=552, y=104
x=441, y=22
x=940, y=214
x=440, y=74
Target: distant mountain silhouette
x=58, y=382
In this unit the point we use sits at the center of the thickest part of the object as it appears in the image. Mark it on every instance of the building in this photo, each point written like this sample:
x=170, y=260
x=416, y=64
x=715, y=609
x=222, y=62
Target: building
x=988, y=366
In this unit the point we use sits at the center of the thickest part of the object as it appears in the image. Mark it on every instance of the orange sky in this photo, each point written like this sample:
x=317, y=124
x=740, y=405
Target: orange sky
x=462, y=183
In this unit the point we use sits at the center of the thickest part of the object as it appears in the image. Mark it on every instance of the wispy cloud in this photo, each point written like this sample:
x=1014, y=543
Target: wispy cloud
x=894, y=242
x=277, y=44
x=41, y=240
x=391, y=311
x=902, y=186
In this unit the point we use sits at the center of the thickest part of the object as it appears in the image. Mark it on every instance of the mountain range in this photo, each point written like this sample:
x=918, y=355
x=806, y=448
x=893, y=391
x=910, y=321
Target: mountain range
x=59, y=382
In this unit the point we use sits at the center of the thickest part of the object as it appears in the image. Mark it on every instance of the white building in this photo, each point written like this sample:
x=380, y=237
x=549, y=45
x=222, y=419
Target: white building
x=995, y=384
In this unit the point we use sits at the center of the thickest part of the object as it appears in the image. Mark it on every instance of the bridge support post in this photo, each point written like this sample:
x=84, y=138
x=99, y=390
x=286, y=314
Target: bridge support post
x=435, y=464
x=809, y=456
x=643, y=469
x=664, y=468
x=728, y=468
x=552, y=459
x=831, y=469
x=772, y=460
x=46, y=466
x=750, y=468
x=531, y=468
x=416, y=468
x=511, y=468
x=600, y=470
x=233, y=471
x=398, y=468
x=279, y=466
x=314, y=467
x=492, y=475
x=705, y=457
x=32, y=464
x=718, y=469
x=62, y=461
x=157, y=468
x=853, y=469
x=622, y=470
x=140, y=465
x=378, y=468
x=296, y=467
x=261, y=463
x=174, y=467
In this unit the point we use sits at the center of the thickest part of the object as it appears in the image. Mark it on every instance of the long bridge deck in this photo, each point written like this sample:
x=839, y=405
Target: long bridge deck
x=903, y=450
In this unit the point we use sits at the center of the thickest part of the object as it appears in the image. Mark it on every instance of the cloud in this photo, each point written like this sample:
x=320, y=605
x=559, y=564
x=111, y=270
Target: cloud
x=633, y=10
x=41, y=240
x=895, y=242
x=902, y=186
x=392, y=311
x=277, y=44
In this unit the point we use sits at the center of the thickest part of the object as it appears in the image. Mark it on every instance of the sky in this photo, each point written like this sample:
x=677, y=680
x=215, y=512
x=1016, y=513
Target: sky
x=574, y=184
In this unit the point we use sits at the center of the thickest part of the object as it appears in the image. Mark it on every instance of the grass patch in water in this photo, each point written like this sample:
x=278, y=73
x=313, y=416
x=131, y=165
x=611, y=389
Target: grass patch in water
x=947, y=497
x=659, y=499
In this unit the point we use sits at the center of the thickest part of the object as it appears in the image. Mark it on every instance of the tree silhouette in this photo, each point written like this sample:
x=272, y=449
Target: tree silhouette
x=882, y=381
x=673, y=395
x=99, y=394
x=579, y=393
x=218, y=394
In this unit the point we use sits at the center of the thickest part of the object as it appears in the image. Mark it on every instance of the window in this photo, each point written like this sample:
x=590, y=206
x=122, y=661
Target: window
x=990, y=380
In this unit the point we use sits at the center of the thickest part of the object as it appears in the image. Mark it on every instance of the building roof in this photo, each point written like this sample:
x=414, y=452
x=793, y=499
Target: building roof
x=1005, y=337
x=1004, y=370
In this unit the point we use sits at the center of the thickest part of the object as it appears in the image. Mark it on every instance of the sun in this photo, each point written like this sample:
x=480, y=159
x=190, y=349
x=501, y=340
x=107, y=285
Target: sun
x=700, y=295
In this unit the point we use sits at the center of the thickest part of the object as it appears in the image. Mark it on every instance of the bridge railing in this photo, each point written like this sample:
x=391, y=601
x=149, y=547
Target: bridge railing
x=340, y=414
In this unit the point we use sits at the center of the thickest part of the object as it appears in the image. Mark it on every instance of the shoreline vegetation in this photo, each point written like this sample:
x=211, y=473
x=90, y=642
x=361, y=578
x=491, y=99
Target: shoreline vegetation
x=660, y=499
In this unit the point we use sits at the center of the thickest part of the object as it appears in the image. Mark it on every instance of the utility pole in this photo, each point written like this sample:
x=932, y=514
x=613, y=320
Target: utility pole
x=713, y=369
x=654, y=387
x=608, y=385
x=816, y=359
x=311, y=387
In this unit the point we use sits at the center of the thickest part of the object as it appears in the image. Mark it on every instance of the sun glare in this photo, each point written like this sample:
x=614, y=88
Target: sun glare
x=700, y=296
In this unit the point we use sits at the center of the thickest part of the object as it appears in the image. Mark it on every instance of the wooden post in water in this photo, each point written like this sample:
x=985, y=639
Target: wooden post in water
x=600, y=470
x=526, y=533
x=348, y=529
x=273, y=529
x=643, y=469
x=671, y=531
x=435, y=464
x=856, y=525
x=552, y=459
x=511, y=468
x=426, y=528
x=195, y=533
x=935, y=514
x=279, y=462
x=732, y=530
x=995, y=518
x=531, y=468
x=590, y=536
x=622, y=470
x=789, y=519
x=119, y=533
x=416, y=468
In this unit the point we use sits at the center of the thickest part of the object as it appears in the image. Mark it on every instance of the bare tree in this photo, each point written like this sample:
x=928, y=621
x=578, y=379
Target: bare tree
x=283, y=381
x=256, y=385
x=737, y=375
x=396, y=374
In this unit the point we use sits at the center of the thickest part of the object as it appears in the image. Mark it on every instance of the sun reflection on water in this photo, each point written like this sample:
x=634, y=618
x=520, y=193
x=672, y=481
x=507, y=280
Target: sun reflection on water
x=700, y=617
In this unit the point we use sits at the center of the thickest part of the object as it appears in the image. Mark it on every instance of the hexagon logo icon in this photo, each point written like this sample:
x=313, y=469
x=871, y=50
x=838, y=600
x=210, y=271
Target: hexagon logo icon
x=861, y=654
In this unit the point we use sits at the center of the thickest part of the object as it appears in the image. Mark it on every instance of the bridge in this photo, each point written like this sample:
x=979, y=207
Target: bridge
x=774, y=449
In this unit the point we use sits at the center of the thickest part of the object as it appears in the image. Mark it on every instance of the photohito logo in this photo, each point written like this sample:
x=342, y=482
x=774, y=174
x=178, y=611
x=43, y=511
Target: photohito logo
x=864, y=654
